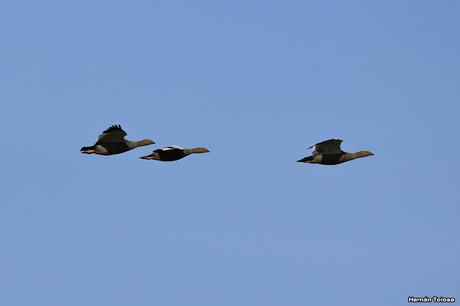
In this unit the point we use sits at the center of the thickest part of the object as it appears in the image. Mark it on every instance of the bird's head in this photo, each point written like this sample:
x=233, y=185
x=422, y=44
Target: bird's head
x=200, y=150
x=87, y=150
x=364, y=154
x=145, y=142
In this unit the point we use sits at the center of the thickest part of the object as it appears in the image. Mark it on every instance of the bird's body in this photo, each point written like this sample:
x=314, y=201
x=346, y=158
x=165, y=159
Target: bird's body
x=173, y=153
x=112, y=141
x=329, y=153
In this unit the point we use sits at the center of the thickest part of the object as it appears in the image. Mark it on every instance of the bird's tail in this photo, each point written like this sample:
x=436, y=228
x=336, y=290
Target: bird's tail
x=151, y=156
x=305, y=159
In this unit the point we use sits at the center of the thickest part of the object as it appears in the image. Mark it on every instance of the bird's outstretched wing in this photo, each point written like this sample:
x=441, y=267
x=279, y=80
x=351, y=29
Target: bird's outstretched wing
x=176, y=147
x=113, y=134
x=331, y=146
x=170, y=148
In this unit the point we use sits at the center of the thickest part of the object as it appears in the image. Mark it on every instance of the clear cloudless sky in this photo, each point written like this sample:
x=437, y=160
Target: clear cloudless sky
x=256, y=82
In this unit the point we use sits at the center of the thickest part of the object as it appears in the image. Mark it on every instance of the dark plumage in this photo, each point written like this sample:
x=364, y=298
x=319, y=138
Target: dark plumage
x=329, y=153
x=112, y=141
x=170, y=154
x=115, y=128
x=173, y=153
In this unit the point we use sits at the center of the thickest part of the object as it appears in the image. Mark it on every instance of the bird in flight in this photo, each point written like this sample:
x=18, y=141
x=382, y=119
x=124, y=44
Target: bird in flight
x=112, y=141
x=329, y=153
x=172, y=153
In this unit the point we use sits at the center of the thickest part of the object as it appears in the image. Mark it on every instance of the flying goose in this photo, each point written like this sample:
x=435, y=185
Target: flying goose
x=329, y=153
x=112, y=141
x=172, y=153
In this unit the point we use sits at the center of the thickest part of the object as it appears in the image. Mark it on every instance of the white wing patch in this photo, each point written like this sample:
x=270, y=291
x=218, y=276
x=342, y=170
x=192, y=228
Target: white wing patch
x=174, y=147
x=315, y=150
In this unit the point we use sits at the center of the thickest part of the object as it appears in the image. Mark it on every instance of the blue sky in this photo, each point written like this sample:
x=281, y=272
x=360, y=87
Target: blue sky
x=256, y=82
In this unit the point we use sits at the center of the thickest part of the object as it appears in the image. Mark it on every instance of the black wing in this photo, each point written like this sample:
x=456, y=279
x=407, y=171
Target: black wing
x=113, y=134
x=330, y=146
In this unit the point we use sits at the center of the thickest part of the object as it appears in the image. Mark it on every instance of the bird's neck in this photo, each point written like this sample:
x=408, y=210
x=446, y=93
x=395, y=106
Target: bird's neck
x=351, y=156
x=132, y=144
x=197, y=150
x=361, y=154
x=348, y=156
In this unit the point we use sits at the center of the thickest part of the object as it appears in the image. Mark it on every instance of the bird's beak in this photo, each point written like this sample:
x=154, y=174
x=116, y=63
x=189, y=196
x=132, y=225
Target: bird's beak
x=88, y=151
